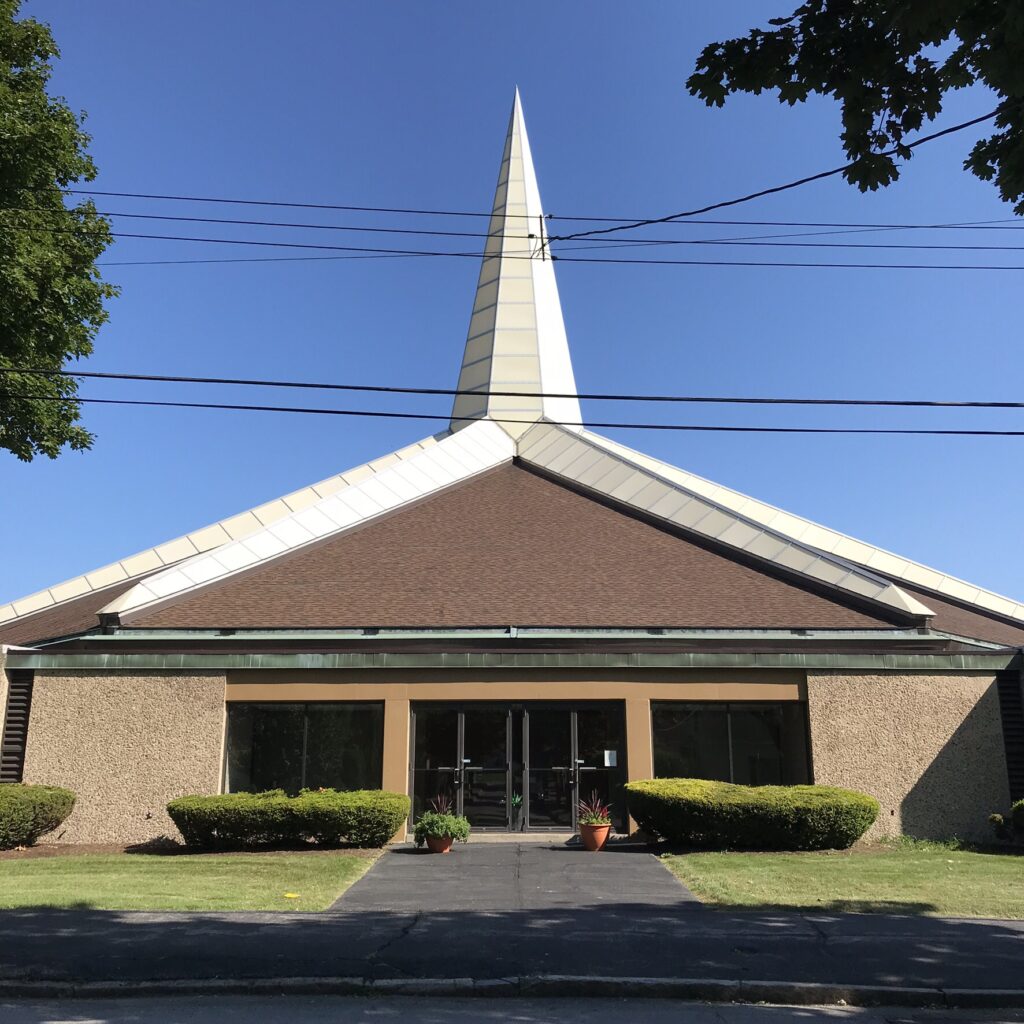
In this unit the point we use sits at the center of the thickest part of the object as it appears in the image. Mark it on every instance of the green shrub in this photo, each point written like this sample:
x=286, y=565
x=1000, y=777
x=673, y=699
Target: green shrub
x=1009, y=827
x=720, y=816
x=434, y=825
x=29, y=812
x=238, y=821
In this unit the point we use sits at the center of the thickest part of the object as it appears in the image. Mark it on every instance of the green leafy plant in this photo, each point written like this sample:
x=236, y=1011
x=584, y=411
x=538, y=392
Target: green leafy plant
x=709, y=815
x=517, y=800
x=433, y=825
x=240, y=821
x=890, y=66
x=1009, y=827
x=29, y=812
x=52, y=295
x=594, y=811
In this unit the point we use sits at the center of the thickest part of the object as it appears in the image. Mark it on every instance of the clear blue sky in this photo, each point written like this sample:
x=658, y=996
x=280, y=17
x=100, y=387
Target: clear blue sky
x=405, y=104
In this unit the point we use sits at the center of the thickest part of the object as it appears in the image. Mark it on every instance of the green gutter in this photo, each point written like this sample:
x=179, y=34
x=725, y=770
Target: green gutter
x=818, y=661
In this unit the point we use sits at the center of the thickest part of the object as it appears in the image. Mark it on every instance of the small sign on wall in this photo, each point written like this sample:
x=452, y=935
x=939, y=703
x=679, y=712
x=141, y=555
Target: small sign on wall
x=611, y=758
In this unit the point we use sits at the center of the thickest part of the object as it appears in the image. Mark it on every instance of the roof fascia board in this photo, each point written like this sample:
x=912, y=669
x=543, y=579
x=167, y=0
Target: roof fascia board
x=454, y=458
x=579, y=459
x=823, y=538
x=810, y=661
x=173, y=552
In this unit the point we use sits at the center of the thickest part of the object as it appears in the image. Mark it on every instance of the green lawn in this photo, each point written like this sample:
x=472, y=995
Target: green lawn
x=898, y=879
x=123, y=881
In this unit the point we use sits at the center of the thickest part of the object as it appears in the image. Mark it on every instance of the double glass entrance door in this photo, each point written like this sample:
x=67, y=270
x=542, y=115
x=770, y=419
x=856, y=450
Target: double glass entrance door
x=516, y=767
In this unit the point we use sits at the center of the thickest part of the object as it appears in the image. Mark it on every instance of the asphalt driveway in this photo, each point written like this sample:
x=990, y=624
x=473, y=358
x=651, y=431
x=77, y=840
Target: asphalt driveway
x=492, y=912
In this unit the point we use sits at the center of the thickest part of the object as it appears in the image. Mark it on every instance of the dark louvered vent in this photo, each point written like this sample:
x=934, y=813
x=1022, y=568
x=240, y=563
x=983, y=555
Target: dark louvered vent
x=1011, y=704
x=19, y=704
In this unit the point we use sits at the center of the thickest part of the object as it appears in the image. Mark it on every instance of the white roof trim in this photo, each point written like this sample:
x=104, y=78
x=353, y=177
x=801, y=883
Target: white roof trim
x=824, y=539
x=204, y=539
x=579, y=458
x=457, y=457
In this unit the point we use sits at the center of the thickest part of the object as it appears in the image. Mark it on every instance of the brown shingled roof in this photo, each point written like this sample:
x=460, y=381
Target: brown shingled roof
x=507, y=547
x=65, y=619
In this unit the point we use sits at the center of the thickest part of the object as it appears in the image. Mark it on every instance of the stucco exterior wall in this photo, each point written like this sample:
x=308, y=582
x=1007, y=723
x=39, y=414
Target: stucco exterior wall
x=928, y=747
x=126, y=744
x=3, y=688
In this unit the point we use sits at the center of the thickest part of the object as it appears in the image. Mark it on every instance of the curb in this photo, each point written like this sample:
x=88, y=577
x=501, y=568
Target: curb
x=711, y=990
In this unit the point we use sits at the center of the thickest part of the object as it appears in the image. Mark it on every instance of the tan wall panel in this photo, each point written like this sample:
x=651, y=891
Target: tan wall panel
x=396, y=746
x=126, y=745
x=929, y=747
x=639, y=741
x=497, y=684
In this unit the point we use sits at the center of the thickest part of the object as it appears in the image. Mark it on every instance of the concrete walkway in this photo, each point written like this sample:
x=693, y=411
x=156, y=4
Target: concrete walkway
x=496, y=913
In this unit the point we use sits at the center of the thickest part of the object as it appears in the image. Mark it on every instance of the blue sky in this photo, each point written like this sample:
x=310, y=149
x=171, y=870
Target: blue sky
x=405, y=104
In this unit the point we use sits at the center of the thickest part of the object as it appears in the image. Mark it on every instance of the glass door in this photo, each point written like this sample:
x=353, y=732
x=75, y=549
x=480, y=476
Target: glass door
x=462, y=754
x=550, y=791
x=573, y=753
x=485, y=764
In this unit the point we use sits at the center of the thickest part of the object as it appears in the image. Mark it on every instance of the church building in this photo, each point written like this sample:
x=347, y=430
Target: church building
x=516, y=611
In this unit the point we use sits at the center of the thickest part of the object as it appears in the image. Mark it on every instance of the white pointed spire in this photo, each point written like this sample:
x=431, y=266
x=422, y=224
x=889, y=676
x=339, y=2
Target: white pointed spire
x=516, y=338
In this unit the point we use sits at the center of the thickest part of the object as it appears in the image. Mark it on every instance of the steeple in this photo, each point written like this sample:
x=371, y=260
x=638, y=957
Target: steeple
x=516, y=338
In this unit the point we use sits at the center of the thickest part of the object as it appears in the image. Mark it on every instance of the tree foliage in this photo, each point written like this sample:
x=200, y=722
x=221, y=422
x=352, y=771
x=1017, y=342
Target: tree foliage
x=51, y=294
x=889, y=63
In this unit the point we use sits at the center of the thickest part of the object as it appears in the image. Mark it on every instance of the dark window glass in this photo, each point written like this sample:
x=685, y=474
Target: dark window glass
x=344, y=746
x=691, y=741
x=296, y=746
x=749, y=744
x=756, y=745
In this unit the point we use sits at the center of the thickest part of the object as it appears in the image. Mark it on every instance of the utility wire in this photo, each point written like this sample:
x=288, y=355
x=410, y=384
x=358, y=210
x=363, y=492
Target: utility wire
x=380, y=414
x=530, y=255
x=631, y=241
x=455, y=392
x=770, y=191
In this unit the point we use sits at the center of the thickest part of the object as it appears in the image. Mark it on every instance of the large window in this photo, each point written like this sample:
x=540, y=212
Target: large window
x=751, y=744
x=304, y=746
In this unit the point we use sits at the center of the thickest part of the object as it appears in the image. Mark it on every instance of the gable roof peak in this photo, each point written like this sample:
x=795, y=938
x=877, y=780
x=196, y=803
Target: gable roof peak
x=516, y=340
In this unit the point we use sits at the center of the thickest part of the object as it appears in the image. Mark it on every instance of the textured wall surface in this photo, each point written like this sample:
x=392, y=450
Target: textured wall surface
x=929, y=747
x=126, y=745
x=3, y=689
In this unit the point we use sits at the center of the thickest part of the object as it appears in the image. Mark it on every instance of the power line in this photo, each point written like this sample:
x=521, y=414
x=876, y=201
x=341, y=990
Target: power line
x=380, y=414
x=455, y=392
x=748, y=241
x=770, y=191
x=1006, y=224
x=559, y=257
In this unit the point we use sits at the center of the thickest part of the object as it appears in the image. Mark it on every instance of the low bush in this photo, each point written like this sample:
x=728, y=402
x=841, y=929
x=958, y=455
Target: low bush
x=29, y=812
x=238, y=821
x=720, y=816
x=1009, y=827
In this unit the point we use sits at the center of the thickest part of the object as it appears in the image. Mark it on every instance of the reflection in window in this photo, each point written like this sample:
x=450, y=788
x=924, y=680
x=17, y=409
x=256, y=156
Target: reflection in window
x=304, y=746
x=750, y=744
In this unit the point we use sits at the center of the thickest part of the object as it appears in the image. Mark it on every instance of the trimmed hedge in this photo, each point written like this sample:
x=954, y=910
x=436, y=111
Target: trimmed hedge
x=720, y=816
x=239, y=821
x=29, y=812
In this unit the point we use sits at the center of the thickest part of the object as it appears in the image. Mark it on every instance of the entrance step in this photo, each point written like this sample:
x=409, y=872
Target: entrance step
x=546, y=838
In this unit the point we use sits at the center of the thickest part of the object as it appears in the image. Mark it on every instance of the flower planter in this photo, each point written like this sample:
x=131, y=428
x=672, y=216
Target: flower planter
x=439, y=844
x=594, y=836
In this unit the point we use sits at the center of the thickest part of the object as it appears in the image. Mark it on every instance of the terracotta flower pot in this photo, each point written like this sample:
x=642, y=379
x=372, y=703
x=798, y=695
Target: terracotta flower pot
x=594, y=836
x=439, y=844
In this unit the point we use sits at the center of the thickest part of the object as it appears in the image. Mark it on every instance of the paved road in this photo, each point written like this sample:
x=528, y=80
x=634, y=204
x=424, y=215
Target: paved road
x=355, y=1010
x=500, y=911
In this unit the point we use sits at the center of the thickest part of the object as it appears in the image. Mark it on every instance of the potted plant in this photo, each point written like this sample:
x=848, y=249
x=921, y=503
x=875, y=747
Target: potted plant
x=517, y=812
x=439, y=828
x=595, y=822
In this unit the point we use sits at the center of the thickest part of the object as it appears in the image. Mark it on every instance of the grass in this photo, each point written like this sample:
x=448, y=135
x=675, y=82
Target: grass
x=901, y=877
x=122, y=881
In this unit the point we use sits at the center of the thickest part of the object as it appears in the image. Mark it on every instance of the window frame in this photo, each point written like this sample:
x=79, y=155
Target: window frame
x=305, y=705
x=755, y=704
